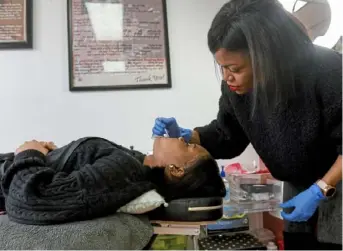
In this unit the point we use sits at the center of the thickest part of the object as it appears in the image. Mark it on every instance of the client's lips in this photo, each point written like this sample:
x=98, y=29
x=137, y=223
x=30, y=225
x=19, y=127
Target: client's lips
x=234, y=88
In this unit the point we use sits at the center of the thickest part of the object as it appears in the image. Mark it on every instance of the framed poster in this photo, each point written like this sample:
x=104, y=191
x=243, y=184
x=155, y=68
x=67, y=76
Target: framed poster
x=118, y=44
x=16, y=24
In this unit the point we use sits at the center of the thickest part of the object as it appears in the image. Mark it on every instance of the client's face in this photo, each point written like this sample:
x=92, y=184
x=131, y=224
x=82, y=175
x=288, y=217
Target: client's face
x=176, y=153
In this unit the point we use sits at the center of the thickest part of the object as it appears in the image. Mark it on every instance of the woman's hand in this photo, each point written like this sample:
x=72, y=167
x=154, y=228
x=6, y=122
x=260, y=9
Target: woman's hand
x=170, y=125
x=166, y=125
x=34, y=145
x=305, y=204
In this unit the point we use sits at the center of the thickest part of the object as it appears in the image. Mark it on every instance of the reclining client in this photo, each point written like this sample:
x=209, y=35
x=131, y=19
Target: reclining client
x=93, y=177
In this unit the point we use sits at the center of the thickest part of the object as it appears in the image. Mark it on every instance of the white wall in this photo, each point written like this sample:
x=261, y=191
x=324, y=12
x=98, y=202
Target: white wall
x=36, y=103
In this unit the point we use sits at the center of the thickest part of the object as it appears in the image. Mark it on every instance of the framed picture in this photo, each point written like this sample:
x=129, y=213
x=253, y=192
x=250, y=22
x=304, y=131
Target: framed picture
x=16, y=24
x=118, y=44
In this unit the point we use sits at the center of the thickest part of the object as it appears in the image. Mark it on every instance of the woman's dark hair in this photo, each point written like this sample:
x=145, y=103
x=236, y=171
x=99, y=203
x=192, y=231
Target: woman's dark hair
x=277, y=45
x=201, y=179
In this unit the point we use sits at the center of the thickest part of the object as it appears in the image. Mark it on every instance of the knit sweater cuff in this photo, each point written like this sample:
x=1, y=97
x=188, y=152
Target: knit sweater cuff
x=30, y=154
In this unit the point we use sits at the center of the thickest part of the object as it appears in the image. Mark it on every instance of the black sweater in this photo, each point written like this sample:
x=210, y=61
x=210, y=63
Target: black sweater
x=299, y=141
x=87, y=178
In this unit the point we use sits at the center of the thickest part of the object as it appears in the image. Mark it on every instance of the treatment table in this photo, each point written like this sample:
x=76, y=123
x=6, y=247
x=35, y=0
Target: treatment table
x=117, y=231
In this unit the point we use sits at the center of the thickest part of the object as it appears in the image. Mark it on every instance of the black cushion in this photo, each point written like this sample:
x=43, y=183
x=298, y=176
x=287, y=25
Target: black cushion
x=190, y=209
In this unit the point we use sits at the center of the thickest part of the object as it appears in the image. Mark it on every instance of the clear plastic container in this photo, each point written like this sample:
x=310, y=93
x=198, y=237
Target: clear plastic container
x=252, y=188
x=231, y=211
x=237, y=209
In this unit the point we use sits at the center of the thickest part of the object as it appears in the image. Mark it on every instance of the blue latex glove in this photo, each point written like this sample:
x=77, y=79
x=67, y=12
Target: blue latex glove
x=305, y=204
x=169, y=125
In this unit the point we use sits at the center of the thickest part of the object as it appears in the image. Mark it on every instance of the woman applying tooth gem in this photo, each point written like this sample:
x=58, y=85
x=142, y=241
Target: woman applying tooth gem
x=283, y=95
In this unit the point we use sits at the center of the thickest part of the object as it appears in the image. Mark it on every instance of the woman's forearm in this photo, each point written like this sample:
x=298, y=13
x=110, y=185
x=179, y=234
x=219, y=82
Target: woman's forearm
x=195, y=139
x=334, y=175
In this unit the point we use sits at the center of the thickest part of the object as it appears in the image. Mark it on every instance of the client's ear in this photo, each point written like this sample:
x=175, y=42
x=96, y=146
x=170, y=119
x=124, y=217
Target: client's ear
x=176, y=171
